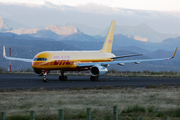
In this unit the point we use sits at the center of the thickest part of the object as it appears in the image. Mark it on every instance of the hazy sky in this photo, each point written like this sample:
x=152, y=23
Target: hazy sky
x=161, y=15
x=162, y=5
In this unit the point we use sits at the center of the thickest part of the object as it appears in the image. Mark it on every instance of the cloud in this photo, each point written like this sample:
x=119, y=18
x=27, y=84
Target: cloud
x=47, y=3
x=147, y=13
x=48, y=13
x=21, y=4
x=4, y=14
x=174, y=14
x=56, y=6
x=96, y=9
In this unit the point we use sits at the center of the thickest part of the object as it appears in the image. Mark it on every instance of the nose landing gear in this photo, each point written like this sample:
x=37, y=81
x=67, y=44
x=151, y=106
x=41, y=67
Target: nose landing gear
x=44, y=74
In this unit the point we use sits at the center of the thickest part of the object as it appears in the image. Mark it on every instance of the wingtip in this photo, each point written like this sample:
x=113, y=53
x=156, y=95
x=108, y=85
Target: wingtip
x=174, y=53
x=4, y=52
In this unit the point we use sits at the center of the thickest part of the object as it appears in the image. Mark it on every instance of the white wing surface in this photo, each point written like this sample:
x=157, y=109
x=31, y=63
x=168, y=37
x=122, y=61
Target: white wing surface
x=13, y=58
x=123, y=62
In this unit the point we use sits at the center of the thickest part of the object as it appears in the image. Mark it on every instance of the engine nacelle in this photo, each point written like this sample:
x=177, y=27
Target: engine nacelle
x=38, y=72
x=98, y=70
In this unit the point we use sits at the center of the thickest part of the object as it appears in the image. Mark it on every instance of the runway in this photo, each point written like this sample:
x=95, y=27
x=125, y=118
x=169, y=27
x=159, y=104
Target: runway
x=26, y=81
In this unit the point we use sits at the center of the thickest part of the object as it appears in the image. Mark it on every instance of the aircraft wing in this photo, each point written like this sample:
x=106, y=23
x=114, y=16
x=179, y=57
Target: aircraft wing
x=13, y=58
x=123, y=62
x=126, y=56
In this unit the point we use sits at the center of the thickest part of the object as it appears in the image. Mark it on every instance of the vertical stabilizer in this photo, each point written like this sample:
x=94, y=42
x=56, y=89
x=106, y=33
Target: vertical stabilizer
x=107, y=47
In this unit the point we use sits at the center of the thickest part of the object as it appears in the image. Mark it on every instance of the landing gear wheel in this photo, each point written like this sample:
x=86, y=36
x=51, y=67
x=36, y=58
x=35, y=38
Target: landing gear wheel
x=94, y=78
x=62, y=78
x=65, y=77
x=45, y=79
x=44, y=74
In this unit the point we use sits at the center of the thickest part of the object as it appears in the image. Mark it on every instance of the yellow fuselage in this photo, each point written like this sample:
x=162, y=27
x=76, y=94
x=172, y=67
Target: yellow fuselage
x=67, y=60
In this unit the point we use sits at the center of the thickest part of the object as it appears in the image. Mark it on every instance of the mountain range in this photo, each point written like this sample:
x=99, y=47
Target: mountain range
x=3, y=26
x=29, y=47
x=26, y=43
x=141, y=32
x=65, y=30
x=24, y=31
x=13, y=25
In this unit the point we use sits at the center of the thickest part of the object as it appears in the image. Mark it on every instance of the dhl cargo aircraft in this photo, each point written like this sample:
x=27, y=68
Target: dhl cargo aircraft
x=95, y=61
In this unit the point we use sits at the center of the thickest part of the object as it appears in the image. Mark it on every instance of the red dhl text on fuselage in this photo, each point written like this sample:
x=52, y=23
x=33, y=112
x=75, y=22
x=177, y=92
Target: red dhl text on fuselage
x=64, y=62
x=61, y=60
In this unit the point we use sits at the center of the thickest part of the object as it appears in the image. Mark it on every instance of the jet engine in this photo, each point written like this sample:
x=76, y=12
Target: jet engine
x=38, y=72
x=97, y=70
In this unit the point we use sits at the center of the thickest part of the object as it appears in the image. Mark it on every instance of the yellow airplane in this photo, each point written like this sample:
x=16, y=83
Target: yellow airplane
x=95, y=61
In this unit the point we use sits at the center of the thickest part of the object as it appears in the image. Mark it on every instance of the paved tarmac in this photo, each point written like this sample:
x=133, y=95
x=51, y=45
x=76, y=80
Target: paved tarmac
x=26, y=81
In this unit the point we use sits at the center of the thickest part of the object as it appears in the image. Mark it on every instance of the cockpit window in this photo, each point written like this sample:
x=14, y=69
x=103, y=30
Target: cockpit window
x=40, y=59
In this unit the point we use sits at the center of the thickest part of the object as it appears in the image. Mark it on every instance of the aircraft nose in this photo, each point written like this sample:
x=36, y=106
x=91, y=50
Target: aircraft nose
x=33, y=64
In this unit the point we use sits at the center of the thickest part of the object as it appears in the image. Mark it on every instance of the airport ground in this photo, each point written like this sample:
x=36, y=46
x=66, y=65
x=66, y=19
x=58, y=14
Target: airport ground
x=31, y=81
x=151, y=98
x=150, y=103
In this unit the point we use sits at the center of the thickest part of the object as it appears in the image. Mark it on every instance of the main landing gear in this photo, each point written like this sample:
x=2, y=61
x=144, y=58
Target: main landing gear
x=94, y=78
x=44, y=74
x=62, y=77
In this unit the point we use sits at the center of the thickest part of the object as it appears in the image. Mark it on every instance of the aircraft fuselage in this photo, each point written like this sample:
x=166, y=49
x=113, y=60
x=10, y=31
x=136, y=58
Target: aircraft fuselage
x=57, y=60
